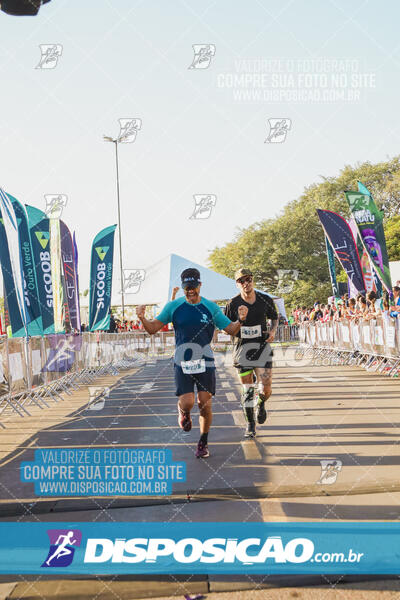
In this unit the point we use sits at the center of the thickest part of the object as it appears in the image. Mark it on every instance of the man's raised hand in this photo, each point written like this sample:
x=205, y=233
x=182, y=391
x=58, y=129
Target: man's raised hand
x=242, y=312
x=140, y=311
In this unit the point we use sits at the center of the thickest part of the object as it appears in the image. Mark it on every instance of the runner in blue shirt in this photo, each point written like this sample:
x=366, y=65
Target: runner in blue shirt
x=194, y=319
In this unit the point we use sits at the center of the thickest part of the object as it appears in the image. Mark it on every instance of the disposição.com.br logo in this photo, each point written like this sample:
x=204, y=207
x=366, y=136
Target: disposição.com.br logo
x=62, y=547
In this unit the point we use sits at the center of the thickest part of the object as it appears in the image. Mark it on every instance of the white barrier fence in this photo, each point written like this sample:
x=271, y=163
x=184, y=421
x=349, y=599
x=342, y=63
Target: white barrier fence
x=284, y=334
x=37, y=370
x=374, y=344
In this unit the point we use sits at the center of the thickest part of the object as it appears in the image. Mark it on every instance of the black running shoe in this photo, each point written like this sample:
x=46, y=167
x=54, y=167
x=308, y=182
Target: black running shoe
x=261, y=413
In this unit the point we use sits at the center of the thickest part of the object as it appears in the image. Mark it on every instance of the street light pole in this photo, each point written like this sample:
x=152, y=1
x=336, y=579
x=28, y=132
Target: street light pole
x=115, y=141
x=120, y=234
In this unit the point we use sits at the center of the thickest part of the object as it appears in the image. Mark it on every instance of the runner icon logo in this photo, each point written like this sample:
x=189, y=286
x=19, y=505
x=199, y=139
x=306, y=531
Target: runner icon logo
x=133, y=279
x=62, y=353
x=97, y=397
x=55, y=204
x=62, y=547
x=50, y=54
x=128, y=129
x=286, y=279
x=329, y=471
x=278, y=129
x=203, y=53
x=203, y=205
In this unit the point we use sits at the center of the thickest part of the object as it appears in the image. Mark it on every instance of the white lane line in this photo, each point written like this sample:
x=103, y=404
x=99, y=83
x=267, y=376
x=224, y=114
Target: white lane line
x=225, y=384
x=312, y=379
x=250, y=450
x=232, y=397
x=145, y=388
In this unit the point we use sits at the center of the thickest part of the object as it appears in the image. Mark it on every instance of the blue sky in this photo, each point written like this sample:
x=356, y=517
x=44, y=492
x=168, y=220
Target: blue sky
x=125, y=58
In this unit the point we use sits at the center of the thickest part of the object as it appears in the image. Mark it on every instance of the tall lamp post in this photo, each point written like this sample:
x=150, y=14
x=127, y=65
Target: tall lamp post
x=116, y=142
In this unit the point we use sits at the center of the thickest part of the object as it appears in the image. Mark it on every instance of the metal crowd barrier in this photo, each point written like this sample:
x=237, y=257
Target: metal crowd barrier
x=373, y=344
x=287, y=333
x=284, y=334
x=38, y=370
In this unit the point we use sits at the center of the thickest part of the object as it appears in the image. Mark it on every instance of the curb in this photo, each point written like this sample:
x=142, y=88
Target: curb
x=59, y=505
x=131, y=587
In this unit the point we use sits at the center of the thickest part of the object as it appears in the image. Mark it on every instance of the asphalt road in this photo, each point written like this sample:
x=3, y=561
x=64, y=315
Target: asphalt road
x=337, y=414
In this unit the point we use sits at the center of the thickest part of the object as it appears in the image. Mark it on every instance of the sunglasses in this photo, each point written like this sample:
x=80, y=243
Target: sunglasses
x=244, y=280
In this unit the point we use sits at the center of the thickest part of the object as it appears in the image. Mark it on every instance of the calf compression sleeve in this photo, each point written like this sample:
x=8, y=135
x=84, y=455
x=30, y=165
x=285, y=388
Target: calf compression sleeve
x=261, y=395
x=249, y=401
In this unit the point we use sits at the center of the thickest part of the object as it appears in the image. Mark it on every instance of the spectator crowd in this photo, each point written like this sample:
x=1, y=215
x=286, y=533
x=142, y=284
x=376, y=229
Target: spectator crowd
x=353, y=309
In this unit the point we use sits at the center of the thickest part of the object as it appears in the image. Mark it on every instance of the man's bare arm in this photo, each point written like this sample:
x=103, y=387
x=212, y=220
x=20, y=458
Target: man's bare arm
x=272, y=333
x=150, y=325
x=233, y=328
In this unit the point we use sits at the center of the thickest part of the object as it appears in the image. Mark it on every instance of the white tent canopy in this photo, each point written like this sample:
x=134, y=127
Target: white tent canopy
x=163, y=276
x=394, y=267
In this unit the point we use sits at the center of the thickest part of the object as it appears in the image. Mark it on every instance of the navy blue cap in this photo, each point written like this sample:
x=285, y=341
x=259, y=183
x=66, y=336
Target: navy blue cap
x=190, y=278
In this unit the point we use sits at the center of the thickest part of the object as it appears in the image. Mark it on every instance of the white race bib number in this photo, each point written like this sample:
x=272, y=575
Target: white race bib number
x=250, y=332
x=192, y=367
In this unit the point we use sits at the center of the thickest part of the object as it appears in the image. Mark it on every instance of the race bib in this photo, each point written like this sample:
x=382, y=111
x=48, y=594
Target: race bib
x=192, y=367
x=250, y=332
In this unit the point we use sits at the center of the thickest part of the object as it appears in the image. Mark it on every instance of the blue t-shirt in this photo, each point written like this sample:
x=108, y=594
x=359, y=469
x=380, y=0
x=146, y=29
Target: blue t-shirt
x=194, y=326
x=394, y=313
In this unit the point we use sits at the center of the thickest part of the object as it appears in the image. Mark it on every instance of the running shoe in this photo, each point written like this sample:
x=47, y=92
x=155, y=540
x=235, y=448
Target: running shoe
x=261, y=413
x=250, y=430
x=184, y=419
x=202, y=450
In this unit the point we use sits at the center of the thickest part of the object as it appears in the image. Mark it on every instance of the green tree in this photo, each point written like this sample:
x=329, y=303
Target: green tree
x=294, y=240
x=392, y=234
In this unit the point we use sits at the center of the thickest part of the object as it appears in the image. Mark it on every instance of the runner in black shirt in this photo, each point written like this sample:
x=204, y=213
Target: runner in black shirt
x=252, y=351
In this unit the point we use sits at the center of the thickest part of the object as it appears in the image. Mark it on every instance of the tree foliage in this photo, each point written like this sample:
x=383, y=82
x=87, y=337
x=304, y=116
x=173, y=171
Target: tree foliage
x=392, y=233
x=294, y=240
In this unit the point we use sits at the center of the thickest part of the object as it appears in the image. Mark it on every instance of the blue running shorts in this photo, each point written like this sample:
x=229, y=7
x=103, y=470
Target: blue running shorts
x=205, y=382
